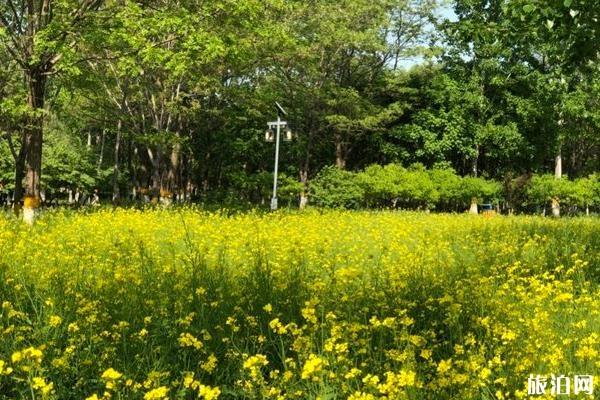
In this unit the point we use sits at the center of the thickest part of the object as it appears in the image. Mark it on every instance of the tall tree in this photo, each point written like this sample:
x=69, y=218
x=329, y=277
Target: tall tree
x=334, y=57
x=38, y=34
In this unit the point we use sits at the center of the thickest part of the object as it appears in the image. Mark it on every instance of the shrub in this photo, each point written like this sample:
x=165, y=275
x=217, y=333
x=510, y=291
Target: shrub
x=543, y=188
x=479, y=189
x=381, y=185
x=586, y=192
x=448, y=187
x=334, y=187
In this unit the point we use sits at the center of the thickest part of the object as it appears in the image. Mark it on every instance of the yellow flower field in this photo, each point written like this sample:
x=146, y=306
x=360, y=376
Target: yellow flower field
x=183, y=304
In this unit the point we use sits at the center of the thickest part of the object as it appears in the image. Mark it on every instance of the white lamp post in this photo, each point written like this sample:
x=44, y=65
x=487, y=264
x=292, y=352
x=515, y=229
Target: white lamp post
x=273, y=134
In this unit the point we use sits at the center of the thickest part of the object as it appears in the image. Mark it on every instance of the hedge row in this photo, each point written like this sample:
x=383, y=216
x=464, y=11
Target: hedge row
x=442, y=189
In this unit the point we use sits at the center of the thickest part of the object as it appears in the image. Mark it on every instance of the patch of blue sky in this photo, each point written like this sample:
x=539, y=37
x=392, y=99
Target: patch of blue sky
x=445, y=12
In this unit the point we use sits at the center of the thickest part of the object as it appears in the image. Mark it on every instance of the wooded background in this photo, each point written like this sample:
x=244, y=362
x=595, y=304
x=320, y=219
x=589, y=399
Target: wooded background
x=134, y=99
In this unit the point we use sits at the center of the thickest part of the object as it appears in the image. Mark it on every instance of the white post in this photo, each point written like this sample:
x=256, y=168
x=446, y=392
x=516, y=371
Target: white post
x=274, y=199
x=558, y=170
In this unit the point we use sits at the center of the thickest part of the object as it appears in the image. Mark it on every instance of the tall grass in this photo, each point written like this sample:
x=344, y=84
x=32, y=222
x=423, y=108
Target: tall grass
x=133, y=304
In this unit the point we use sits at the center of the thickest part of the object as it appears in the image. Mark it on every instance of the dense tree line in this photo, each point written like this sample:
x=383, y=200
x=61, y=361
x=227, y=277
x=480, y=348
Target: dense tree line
x=159, y=99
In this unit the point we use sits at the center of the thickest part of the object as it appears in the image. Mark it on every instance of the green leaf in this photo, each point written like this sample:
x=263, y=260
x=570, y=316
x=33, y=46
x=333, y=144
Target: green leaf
x=528, y=8
x=568, y=3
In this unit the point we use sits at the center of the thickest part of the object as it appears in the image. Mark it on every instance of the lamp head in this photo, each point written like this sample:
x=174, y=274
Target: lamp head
x=269, y=135
x=288, y=134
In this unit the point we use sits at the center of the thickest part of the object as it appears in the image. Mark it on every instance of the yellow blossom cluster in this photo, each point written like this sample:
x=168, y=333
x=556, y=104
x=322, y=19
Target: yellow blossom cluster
x=181, y=303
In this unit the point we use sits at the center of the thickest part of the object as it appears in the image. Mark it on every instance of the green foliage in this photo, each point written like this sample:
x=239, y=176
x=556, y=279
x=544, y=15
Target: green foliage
x=6, y=167
x=395, y=186
x=67, y=163
x=289, y=189
x=586, y=191
x=259, y=187
x=334, y=187
x=582, y=192
x=449, y=187
x=183, y=90
x=544, y=188
x=479, y=189
x=455, y=121
x=382, y=185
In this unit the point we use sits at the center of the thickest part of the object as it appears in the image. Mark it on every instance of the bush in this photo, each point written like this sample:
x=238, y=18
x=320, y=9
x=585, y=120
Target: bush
x=415, y=187
x=381, y=185
x=395, y=186
x=448, y=186
x=419, y=190
x=586, y=192
x=543, y=188
x=289, y=189
x=514, y=191
x=479, y=189
x=334, y=187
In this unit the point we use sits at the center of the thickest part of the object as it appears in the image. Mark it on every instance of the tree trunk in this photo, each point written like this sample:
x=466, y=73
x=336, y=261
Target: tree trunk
x=304, y=168
x=133, y=181
x=101, y=157
x=19, y=175
x=33, y=144
x=304, y=192
x=557, y=175
x=182, y=179
x=116, y=193
x=156, y=184
x=474, y=209
x=558, y=165
x=475, y=163
x=173, y=174
x=340, y=151
x=206, y=184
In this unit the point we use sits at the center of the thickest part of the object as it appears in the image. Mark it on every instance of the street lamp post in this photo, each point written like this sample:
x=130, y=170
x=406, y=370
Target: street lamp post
x=275, y=136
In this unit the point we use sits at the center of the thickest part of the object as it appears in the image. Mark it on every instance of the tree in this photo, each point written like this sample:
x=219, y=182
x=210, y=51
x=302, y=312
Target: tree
x=12, y=117
x=38, y=35
x=553, y=41
x=330, y=63
x=452, y=121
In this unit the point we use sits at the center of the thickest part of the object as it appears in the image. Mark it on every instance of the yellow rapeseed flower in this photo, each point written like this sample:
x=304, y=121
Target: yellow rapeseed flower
x=313, y=367
x=110, y=377
x=55, y=321
x=209, y=393
x=159, y=393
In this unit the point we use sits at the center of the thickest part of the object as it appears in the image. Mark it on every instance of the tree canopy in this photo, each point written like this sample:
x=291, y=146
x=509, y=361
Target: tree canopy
x=169, y=99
